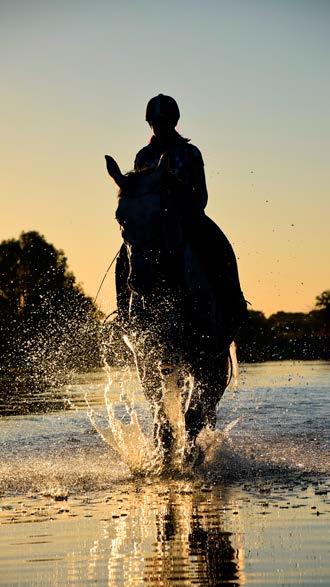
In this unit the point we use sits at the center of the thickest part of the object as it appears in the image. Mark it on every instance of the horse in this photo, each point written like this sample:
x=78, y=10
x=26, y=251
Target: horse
x=176, y=322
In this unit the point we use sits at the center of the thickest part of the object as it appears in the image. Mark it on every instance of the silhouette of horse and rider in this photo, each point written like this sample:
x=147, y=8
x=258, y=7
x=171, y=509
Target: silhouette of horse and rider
x=178, y=292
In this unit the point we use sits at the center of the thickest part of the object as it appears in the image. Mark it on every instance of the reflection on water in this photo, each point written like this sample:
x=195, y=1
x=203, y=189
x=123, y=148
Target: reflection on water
x=192, y=545
x=175, y=535
x=170, y=532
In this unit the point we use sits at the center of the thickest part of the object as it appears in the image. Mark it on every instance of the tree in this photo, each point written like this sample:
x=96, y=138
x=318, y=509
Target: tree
x=323, y=300
x=44, y=314
x=323, y=312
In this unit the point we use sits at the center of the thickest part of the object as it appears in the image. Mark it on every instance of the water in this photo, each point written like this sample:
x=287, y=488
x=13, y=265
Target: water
x=72, y=512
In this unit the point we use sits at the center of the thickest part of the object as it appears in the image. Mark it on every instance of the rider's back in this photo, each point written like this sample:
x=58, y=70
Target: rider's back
x=185, y=162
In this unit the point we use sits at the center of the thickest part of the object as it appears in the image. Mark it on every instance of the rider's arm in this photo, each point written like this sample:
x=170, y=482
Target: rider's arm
x=198, y=178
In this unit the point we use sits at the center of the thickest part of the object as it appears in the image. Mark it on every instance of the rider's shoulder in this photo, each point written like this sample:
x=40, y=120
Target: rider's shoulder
x=194, y=152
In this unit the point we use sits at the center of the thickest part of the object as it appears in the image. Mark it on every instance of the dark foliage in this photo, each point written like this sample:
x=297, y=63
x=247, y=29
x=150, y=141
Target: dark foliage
x=287, y=335
x=47, y=324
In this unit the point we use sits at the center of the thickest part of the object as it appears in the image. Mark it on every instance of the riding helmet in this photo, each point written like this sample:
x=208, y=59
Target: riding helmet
x=164, y=107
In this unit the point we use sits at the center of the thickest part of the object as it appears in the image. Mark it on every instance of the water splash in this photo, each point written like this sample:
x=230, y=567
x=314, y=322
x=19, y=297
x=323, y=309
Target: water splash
x=135, y=447
x=127, y=439
x=211, y=441
x=42, y=361
x=147, y=453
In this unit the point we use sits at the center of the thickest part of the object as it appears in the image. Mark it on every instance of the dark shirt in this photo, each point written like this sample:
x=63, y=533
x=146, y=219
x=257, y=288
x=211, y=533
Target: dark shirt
x=185, y=162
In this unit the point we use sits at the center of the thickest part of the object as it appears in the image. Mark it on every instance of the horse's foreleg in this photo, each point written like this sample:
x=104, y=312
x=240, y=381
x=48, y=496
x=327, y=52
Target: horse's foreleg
x=211, y=379
x=147, y=362
x=173, y=398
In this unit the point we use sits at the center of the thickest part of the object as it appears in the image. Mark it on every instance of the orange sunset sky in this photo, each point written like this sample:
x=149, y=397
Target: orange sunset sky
x=252, y=81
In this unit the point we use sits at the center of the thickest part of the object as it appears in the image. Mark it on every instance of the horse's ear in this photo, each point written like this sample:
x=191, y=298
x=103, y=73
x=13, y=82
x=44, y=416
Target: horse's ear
x=114, y=171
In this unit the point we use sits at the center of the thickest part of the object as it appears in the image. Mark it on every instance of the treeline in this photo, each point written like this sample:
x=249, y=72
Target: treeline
x=287, y=335
x=47, y=324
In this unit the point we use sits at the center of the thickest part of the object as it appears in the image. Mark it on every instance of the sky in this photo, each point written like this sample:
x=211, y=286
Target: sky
x=252, y=81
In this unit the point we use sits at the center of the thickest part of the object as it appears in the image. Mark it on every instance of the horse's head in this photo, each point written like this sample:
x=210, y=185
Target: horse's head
x=149, y=222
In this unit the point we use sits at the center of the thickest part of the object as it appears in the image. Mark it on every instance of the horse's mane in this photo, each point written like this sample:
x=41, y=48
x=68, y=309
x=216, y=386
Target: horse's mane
x=130, y=182
x=170, y=181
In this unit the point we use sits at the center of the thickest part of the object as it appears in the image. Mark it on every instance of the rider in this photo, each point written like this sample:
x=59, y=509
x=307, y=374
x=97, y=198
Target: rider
x=186, y=163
